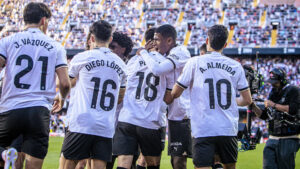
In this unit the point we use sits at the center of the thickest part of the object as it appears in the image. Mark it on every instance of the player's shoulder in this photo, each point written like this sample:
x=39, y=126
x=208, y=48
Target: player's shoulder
x=134, y=59
x=157, y=56
x=180, y=51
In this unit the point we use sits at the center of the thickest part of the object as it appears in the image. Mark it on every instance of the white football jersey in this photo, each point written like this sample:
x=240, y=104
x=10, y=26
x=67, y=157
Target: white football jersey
x=213, y=81
x=100, y=75
x=31, y=60
x=144, y=94
x=179, y=56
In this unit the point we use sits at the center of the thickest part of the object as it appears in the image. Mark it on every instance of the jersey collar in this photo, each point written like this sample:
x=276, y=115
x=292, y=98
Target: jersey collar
x=214, y=53
x=103, y=49
x=33, y=30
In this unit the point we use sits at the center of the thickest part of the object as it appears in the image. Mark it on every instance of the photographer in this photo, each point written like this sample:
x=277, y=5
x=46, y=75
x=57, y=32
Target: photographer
x=282, y=110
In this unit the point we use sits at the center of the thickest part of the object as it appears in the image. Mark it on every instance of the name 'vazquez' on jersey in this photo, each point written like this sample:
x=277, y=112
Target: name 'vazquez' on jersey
x=32, y=71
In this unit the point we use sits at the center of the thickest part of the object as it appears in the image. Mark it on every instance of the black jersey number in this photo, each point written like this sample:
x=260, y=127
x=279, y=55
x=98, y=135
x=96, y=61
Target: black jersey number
x=149, y=87
x=218, y=86
x=29, y=67
x=104, y=94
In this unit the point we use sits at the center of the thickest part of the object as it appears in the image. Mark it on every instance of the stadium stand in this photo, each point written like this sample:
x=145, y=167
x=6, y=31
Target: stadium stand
x=255, y=25
x=250, y=25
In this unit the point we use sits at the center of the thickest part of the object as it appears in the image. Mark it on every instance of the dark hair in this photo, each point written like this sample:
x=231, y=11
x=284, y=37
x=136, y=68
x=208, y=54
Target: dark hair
x=217, y=36
x=124, y=41
x=203, y=48
x=167, y=31
x=149, y=34
x=101, y=30
x=87, y=45
x=35, y=11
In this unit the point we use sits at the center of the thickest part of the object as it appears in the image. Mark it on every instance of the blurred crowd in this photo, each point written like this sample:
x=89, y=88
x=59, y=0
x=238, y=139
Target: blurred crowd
x=133, y=17
x=72, y=18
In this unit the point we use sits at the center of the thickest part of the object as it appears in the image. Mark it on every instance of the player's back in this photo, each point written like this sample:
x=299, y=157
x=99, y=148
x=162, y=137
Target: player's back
x=144, y=93
x=99, y=74
x=216, y=79
x=179, y=55
x=31, y=60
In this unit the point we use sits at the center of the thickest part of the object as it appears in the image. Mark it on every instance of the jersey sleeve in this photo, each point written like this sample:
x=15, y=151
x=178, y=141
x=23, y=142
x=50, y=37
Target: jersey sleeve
x=155, y=67
x=242, y=83
x=179, y=57
x=75, y=66
x=124, y=77
x=3, y=47
x=170, y=81
x=61, y=58
x=186, y=76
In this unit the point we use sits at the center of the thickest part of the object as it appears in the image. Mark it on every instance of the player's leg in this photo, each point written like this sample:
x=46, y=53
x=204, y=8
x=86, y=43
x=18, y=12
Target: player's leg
x=62, y=161
x=125, y=144
x=76, y=147
x=150, y=144
x=227, y=147
x=17, y=144
x=11, y=125
x=141, y=162
x=81, y=164
x=101, y=152
x=180, y=143
x=70, y=164
x=88, y=164
x=20, y=160
x=203, y=152
x=36, y=136
x=98, y=164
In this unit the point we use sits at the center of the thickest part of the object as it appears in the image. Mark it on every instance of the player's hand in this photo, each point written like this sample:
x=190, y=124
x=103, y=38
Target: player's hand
x=138, y=52
x=58, y=104
x=150, y=45
x=269, y=103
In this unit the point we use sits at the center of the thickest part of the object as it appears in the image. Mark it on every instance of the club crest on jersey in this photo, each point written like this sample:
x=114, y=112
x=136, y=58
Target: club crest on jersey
x=174, y=56
x=217, y=65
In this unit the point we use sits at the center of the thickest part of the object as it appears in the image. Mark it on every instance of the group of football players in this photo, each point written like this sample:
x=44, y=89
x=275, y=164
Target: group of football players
x=120, y=105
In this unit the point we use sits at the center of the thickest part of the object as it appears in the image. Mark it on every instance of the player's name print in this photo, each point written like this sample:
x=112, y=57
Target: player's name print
x=142, y=63
x=216, y=65
x=100, y=63
x=33, y=42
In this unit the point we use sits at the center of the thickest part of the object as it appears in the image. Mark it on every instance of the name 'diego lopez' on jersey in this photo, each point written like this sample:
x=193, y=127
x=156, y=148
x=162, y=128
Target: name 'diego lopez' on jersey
x=217, y=65
x=97, y=63
x=33, y=42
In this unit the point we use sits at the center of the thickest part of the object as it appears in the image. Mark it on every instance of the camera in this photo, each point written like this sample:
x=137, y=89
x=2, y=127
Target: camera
x=247, y=135
x=254, y=79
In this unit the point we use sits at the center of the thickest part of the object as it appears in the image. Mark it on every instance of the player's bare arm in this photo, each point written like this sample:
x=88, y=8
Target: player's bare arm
x=73, y=81
x=168, y=97
x=64, y=88
x=121, y=95
x=176, y=91
x=2, y=62
x=245, y=99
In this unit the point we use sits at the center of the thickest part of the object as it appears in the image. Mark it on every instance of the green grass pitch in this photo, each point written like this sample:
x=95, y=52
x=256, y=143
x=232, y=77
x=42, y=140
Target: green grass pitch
x=246, y=160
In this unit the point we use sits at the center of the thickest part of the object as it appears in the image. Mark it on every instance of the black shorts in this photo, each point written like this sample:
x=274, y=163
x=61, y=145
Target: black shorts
x=163, y=137
x=129, y=137
x=32, y=123
x=180, y=138
x=204, y=149
x=78, y=146
x=17, y=143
